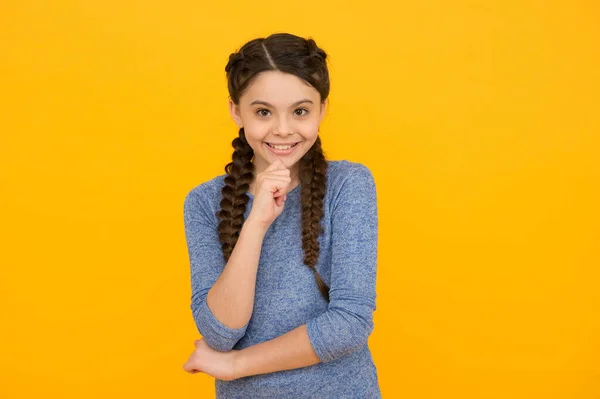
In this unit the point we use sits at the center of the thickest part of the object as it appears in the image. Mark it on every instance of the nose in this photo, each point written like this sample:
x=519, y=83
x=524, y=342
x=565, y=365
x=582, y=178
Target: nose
x=283, y=127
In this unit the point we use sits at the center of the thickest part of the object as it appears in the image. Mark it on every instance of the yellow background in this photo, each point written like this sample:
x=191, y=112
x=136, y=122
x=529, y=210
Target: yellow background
x=478, y=119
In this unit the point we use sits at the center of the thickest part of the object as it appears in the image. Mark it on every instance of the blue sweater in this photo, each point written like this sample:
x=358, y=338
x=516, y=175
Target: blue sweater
x=286, y=294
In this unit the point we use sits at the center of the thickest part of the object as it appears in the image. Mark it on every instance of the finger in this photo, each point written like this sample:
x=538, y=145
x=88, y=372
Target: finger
x=279, y=191
x=280, y=201
x=274, y=184
x=276, y=165
x=276, y=178
x=192, y=371
x=279, y=172
x=187, y=367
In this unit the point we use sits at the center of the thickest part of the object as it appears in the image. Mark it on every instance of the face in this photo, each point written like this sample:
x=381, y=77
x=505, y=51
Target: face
x=279, y=109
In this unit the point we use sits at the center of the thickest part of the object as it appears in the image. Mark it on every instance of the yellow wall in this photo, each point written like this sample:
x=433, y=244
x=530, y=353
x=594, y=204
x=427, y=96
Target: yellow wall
x=478, y=119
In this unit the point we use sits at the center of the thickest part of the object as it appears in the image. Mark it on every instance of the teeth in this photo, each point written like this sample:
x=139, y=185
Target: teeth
x=281, y=147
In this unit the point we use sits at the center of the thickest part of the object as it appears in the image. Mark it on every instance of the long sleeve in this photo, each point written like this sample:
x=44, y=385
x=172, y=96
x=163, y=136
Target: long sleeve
x=206, y=264
x=348, y=322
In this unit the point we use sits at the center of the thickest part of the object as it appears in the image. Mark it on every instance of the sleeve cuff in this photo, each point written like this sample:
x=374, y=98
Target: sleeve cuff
x=315, y=338
x=217, y=335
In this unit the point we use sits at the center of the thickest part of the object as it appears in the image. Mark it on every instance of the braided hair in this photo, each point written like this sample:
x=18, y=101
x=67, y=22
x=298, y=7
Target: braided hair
x=301, y=57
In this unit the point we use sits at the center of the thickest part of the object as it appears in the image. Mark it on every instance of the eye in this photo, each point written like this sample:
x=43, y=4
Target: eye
x=301, y=109
x=263, y=112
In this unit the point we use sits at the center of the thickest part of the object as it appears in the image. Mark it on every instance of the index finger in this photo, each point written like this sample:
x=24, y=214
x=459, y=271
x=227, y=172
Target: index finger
x=276, y=165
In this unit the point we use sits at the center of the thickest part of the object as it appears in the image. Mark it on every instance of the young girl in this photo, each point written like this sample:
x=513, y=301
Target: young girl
x=283, y=247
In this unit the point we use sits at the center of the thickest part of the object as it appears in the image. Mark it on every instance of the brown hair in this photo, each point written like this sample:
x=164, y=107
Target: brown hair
x=301, y=57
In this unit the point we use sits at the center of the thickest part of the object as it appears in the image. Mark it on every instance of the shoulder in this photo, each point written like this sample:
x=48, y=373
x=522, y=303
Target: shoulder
x=200, y=200
x=352, y=198
x=208, y=188
x=345, y=169
x=350, y=185
x=344, y=175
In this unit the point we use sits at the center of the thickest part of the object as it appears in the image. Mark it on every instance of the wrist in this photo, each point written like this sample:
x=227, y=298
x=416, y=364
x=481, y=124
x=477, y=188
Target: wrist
x=240, y=369
x=255, y=226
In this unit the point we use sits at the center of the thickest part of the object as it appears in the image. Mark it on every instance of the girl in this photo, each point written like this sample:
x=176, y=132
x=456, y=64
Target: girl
x=283, y=247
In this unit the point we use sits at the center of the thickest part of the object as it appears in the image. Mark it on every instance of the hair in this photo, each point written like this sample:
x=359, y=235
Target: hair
x=301, y=57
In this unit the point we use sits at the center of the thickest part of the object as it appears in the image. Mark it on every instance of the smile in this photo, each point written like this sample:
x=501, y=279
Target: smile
x=282, y=149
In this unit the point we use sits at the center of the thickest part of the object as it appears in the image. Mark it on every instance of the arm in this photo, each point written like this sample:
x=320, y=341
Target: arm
x=348, y=322
x=289, y=351
x=222, y=295
x=231, y=297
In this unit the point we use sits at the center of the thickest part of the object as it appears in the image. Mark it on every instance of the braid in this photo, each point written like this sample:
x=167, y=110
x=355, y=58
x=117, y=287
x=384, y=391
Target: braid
x=233, y=204
x=313, y=178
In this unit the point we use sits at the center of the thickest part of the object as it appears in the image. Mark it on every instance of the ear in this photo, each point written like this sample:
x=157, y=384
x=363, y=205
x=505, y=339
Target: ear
x=323, y=108
x=234, y=110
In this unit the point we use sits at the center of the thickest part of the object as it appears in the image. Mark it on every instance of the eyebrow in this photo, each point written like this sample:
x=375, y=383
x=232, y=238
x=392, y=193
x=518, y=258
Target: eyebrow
x=306, y=100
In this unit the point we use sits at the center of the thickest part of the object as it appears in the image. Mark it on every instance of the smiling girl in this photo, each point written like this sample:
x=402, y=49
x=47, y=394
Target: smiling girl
x=283, y=247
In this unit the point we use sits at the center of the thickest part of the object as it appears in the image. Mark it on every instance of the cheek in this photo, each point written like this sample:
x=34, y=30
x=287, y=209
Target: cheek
x=309, y=131
x=255, y=131
x=312, y=125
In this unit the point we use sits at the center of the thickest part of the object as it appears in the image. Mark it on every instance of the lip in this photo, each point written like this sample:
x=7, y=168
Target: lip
x=282, y=152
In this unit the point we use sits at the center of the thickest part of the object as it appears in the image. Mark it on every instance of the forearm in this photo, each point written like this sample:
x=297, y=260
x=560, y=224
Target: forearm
x=231, y=298
x=289, y=351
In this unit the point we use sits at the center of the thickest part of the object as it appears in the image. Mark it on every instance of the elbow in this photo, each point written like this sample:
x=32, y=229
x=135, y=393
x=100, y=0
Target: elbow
x=217, y=335
x=219, y=343
x=359, y=328
x=339, y=332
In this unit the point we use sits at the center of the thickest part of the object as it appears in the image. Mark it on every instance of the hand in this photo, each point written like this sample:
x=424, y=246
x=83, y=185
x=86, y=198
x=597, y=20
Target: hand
x=204, y=359
x=270, y=193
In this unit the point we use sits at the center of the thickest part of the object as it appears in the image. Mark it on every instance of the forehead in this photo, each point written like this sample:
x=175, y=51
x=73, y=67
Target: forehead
x=279, y=89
